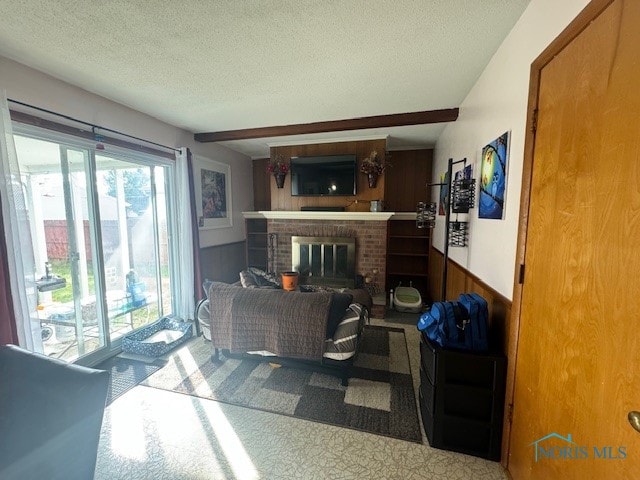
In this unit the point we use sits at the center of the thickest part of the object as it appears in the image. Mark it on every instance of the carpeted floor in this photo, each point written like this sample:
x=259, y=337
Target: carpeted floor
x=379, y=399
x=126, y=374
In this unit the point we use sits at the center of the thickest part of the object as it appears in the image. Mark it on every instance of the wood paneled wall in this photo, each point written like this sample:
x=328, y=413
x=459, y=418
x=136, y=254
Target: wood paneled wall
x=261, y=185
x=460, y=280
x=281, y=198
x=406, y=179
x=223, y=263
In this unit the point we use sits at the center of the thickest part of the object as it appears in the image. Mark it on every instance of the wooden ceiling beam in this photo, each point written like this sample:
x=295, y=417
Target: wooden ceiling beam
x=378, y=121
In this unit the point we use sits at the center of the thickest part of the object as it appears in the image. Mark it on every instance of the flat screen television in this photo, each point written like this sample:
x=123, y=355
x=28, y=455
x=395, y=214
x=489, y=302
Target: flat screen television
x=327, y=175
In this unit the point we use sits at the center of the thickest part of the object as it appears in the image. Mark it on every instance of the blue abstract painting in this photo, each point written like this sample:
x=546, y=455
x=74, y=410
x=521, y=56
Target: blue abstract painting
x=493, y=178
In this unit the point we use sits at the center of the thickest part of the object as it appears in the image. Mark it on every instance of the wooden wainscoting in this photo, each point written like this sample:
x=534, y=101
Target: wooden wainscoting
x=460, y=280
x=223, y=263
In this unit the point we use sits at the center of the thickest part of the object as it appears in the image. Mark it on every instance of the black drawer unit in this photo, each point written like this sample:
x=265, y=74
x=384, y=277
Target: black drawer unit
x=462, y=399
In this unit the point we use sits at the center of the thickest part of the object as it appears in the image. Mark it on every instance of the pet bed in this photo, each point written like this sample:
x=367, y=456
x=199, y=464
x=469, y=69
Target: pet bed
x=157, y=338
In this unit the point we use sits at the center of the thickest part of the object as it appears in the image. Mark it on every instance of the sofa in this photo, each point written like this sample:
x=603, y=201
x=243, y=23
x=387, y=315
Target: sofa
x=320, y=329
x=50, y=416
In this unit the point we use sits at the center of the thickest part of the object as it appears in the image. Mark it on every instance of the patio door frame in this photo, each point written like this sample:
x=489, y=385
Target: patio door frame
x=96, y=249
x=69, y=142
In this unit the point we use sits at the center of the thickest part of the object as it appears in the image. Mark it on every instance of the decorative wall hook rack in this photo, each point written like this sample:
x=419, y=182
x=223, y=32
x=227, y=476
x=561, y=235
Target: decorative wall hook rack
x=459, y=197
x=463, y=195
x=426, y=215
x=458, y=234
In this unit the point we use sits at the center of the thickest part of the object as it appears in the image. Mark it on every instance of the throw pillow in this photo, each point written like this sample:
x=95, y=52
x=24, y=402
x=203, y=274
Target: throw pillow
x=253, y=277
x=248, y=279
x=265, y=279
x=339, y=304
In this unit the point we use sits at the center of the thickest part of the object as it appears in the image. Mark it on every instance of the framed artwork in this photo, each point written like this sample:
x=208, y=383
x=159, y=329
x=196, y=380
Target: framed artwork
x=443, y=202
x=493, y=178
x=212, y=184
x=464, y=174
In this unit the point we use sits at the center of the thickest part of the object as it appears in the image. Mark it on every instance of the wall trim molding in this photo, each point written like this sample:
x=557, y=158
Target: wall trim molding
x=312, y=215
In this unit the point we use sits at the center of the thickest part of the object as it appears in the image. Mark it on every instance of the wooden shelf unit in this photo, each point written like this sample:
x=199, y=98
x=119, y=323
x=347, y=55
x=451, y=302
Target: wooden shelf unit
x=257, y=243
x=408, y=256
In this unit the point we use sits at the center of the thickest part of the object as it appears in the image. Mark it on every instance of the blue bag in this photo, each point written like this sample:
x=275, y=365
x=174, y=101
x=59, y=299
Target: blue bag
x=478, y=318
x=446, y=325
x=461, y=325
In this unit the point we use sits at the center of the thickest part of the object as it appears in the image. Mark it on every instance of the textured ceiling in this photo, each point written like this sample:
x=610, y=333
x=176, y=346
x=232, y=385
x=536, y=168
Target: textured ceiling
x=232, y=64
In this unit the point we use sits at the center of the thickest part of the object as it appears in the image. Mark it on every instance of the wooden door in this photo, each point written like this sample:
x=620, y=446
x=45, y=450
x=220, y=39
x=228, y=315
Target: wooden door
x=578, y=358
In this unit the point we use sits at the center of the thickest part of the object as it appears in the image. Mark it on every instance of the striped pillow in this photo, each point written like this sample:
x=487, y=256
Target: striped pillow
x=344, y=343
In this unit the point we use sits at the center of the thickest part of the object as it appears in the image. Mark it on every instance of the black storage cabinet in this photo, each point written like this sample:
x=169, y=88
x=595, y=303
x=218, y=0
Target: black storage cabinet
x=462, y=399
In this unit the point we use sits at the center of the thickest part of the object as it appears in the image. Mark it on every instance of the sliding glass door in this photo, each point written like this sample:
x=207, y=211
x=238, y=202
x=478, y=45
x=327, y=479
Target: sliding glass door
x=54, y=178
x=100, y=232
x=133, y=222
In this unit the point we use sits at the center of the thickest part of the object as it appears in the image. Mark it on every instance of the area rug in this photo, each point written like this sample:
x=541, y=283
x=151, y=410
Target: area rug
x=379, y=399
x=126, y=374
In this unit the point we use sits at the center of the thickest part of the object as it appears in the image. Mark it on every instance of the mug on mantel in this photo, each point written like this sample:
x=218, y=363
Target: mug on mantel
x=376, y=206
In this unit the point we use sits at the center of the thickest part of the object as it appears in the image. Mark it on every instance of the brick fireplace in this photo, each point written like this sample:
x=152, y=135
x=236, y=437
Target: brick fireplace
x=370, y=235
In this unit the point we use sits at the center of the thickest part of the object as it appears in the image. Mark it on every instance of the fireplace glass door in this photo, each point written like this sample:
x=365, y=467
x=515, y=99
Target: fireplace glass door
x=325, y=260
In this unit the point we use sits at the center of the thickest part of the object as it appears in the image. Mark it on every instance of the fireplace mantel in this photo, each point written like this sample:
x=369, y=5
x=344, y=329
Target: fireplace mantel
x=300, y=215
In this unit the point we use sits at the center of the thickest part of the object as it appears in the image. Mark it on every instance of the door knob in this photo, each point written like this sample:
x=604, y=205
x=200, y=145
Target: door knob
x=634, y=420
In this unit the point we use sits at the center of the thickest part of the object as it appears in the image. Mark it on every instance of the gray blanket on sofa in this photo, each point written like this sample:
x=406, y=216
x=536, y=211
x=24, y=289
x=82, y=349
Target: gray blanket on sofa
x=288, y=324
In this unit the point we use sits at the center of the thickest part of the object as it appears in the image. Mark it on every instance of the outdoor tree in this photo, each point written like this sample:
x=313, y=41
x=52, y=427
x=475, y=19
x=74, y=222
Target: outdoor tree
x=136, y=188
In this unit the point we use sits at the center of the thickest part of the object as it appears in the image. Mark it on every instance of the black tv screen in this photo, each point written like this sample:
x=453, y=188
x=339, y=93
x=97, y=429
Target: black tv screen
x=323, y=175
